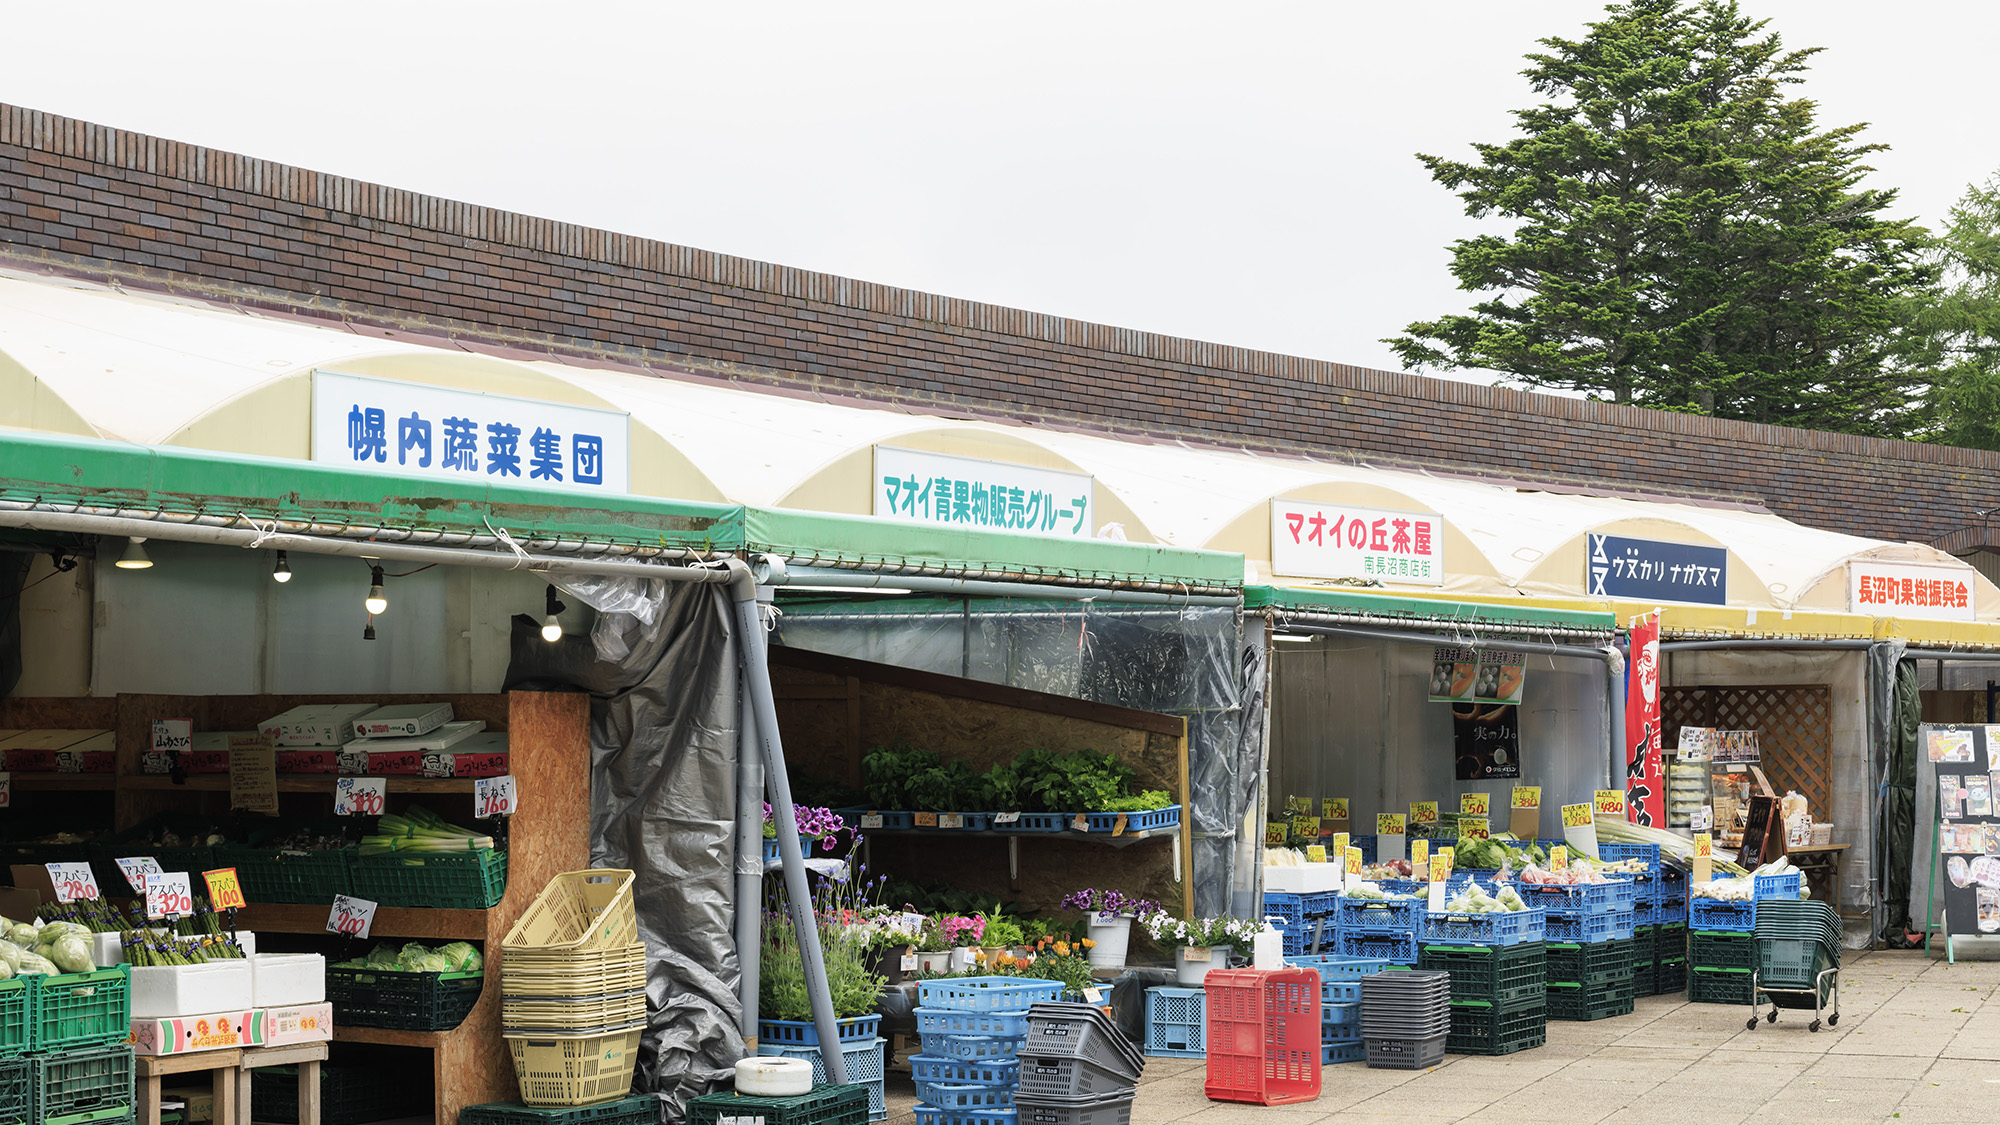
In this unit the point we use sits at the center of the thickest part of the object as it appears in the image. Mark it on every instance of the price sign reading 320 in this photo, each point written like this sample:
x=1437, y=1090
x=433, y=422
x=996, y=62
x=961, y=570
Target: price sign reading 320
x=169, y=895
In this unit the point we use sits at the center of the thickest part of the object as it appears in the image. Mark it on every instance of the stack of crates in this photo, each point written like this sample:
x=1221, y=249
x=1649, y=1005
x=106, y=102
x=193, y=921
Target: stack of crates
x=1380, y=928
x=1645, y=977
x=639, y=1109
x=63, y=1055
x=573, y=991
x=1077, y=1068
x=1719, y=966
x=1499, y=995
x=973, y=1029
x=1590, y=980
x=1306, y=920
x=1670, y=957
x=1340, y=1003
x=824, y=1105
x=1263, y=1037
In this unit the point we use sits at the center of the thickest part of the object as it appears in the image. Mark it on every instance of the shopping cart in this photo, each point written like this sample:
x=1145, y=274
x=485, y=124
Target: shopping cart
x=1796, y=961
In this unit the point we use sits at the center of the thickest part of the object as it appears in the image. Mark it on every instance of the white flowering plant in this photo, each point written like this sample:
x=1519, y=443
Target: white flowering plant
x=1169, y=932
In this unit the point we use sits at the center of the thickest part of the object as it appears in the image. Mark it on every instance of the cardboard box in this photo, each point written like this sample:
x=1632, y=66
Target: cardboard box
x=309, y=761
x=21, y=900
x=482, y=755
x=182, y=1035
x=200, y=1101
x=315, y=724
x=59, y=761
x=208, y=754
x=301, y=1023
x=33, y=878
x=446, y=737
x=56, y=740
x=402, y=720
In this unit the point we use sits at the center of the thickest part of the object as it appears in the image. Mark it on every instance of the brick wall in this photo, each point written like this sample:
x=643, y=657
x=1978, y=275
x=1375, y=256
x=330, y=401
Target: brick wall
x=83, y=198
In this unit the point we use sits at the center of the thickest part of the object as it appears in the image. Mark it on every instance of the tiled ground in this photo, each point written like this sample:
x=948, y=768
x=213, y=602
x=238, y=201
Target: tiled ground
x=1918, y=1041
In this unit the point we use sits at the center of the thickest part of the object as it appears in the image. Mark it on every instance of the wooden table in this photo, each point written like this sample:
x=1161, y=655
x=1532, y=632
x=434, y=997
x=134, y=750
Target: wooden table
x=1820, y=863
x=149, y=1069
x=305, y=1056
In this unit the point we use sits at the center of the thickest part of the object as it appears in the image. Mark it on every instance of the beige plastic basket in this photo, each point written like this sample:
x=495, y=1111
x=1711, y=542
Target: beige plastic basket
x=571, y=1015
x=574, y=1070
x=572, y=972
x=579, y=910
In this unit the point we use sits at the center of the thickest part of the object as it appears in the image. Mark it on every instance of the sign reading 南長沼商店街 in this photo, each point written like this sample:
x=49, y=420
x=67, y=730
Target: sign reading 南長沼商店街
x=414, y=429
x=1312, y=540
x=951, y=491
x=1935, y=593
x=1654, y=570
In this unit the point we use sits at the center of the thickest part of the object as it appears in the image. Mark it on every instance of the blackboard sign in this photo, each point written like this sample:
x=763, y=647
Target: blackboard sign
x=1486, y=740
x=1968, y=829
x=1763, y=833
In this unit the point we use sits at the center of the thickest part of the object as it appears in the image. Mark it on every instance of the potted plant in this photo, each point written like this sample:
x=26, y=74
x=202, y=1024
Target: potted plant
x=1000, y=935
x=814, y=824
x=961, y=933
x=933, y=951
x=784, y=1010
x=1109, y=915
x=1199, y=944
x=1057, y=958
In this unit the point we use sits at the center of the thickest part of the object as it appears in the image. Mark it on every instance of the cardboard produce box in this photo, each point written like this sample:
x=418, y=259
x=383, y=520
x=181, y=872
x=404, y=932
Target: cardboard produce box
x=299, y=1023
x=200, y=1101
x=402, y=720
x=181, y=1035
x=315, y=724
x=482, y=755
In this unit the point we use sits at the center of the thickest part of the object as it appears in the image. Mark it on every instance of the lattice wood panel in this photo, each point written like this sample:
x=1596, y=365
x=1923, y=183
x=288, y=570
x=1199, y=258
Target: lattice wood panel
x=1794, y=725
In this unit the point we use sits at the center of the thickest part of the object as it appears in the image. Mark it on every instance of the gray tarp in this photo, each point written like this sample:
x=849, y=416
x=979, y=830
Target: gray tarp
x=1893, y=716
x=663, y=803
x=1190, y=661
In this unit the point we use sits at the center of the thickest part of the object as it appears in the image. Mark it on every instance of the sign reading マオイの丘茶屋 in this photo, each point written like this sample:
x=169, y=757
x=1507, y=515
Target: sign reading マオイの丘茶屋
x=1654, y=570
x=1310, y=540
x=413, y=429
x=1902, y=590
x=950, y=491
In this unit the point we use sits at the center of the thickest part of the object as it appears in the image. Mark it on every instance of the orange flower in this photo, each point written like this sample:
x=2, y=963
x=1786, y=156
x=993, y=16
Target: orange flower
x=1089, y=943
x=1062, y=949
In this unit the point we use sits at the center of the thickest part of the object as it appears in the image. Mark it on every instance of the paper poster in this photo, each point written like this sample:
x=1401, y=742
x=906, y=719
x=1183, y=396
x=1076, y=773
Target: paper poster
x=1697, y=744
x=1453, y=674
x=1486, y=741
x=1949, y=792
x=1736, y=746
x=1502, y=677
x=1978, y=795
x=1946, y=745
x=1989, y=910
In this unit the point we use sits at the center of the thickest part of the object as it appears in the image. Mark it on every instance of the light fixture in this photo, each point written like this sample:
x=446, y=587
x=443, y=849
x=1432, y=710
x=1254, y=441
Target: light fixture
x=802, y=588
x=368, y=634
x=134, y=557
x=552, y=628
x=1293, y=638
x=282, y=572
x=376, y=603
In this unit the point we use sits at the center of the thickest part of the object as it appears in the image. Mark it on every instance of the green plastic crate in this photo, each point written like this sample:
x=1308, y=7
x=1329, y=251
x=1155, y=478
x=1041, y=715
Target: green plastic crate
x=14, y=1021
x=1722, y=950
x=294, y=876
x=1484, y=1029
x=1644, y=942
x=1670, y=977
x=1569, y=1001
x=1709, y=984
x=826, y=1105
x=79, y=1009
x=391, y=998
x=639, y=1109
x=1670, y=943
x=17, y=1091
x=348, y=1095
x=473, y=880
x=1507, y=975
x=1601, y=962
x=80, y=1086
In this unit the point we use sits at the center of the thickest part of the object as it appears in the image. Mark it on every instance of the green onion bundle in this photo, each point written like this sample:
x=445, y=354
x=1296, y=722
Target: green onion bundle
x=421, y=832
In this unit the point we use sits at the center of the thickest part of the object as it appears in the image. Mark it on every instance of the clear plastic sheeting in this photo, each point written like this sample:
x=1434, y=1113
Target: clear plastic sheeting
x=1352, y=717
x=663, y=804
x=625, y=607
x=1169, y=660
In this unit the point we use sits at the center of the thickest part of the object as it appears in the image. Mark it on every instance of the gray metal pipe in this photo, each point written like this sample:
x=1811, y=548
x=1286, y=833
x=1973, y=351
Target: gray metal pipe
x=967, y=587
x=749, y=865
x=1286, y=618
x=1946, y=654
x=757, y=686
x=1619, y=771
x=1539, y=648
x=1761, y=642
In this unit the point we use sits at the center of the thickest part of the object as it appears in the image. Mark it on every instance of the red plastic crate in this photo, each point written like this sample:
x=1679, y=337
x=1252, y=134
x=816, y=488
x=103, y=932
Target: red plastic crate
x=1263, y=1035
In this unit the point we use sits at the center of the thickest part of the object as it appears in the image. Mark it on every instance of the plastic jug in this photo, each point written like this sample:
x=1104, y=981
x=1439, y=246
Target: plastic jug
x=1267, y=949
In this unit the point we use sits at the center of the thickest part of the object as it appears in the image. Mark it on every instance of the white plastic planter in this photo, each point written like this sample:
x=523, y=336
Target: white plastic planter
x=1113, y=937
x=939, y=962
x=1191, y=968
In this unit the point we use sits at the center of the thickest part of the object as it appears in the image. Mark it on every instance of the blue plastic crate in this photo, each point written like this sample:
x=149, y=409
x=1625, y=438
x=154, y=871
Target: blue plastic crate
x=1351, y=1051
x=1396, y=946
x=805, y=1033
x=1401, y=886
x=1375, y=914
x=1321, y=904
x=771, y=848
x=864, y=1062
x=1176, y=1023
x=1339, y=1015
x=1506, y=928
x=1589, y=929
x=973, y=1047
x=945, y=1021
x=1778, y=886
x=957, y=1098
x=1340, y=977
x=1715, y=914
x=933, y=1115
x=1135, y=822
x=1300, y=940
x=1671, y=912
x=1290, y=907
x=1612, y=853
x=1582, y=898
x=1295, y=943
x=986, y=994
x=1032, y=822
x=963, y=1072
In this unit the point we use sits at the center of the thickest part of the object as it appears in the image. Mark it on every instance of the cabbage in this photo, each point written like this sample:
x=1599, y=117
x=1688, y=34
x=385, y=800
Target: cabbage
x=34, y=963
x=463, y=956
x=54, y=930
x=10, y=956
x=23, y=935
x=425, y=962
x=72, y=954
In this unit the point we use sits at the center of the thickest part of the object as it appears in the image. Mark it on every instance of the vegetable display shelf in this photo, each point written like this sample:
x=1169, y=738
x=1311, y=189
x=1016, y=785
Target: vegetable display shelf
x=392, y=998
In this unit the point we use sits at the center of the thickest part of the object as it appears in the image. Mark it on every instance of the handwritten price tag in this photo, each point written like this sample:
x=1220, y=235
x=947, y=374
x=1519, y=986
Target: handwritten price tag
x=1609, y=802
x=1576, y=816
x=73, y=881
x=494, y=796
x=1274, y=834
x=1441, y=867
x=1354, y=861
x=1420, y=851
x=871, y=820
x=1559, y=857
x=353, y=917
x=1527, y=797
x=1474, y=827
x=1340, y=842
x=225, y=890
x=1197, y=953
x=1080, y=824
x=1333, y=808
x=1474, y=804
x=998, y=818
x=169, y=895
x=953, y=820
x=1316, y=853
x=172, y=734
x=1423, y=812
x=1389, y=824
x=1704, y=845
x=359, y=796
x=137, y=869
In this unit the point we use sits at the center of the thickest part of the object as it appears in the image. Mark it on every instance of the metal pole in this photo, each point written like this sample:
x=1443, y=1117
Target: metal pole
x=757, y=687
x=1760, y=642
x=749, y=864
x=1614, y=722
x=970, y=587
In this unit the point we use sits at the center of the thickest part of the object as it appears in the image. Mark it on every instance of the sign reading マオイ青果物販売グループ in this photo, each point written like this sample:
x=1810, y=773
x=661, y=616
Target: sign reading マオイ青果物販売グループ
x=442, y=433
x=951, y=491
x=1653, y=570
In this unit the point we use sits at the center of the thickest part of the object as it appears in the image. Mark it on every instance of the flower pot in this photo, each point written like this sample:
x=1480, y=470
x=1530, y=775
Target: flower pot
x=1193, y=964
x=961, y=958
x=938, y=962
x=888, y=963
x=1113, y=936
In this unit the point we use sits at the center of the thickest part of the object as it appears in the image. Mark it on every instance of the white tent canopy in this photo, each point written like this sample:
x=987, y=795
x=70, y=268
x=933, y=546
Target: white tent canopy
x=80, y=358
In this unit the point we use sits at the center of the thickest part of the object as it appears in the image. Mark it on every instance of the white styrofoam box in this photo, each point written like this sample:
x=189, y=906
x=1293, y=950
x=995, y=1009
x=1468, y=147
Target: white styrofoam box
x=163, y=991
x=315, y=724
x=109, y=949
x=1306, y=879
x=446, y=737
x=402, y=720
x=281, y=980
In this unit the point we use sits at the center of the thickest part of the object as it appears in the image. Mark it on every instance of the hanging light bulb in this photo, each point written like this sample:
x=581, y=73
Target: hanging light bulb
x=282, y=572
x=134, y=557
x=376, y=603
x=551, y=627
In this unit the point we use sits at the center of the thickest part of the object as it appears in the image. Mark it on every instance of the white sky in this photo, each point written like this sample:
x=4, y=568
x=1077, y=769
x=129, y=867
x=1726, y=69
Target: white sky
x=1232, y=172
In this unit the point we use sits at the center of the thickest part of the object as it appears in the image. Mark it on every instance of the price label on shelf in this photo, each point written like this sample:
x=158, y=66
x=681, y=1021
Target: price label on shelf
x=871, y=820
x=951, y=820
x=998, y=818
x=137, y=869
x=1340, y=842
x=353, y=917
x=1475, y=827
x=494, y=796
x=359, y=796
x=1389, y=824
x=172, y=734
x=73, y=881
x=1608, y=802
x=225, y=890
x=1423, y=812
x=1527, y=797
x=929, y=820
x=1316, y=853
x=1474, y=804
x=1576, y=816
x=1080, y=824
x=169, y=895
x=1333, y=808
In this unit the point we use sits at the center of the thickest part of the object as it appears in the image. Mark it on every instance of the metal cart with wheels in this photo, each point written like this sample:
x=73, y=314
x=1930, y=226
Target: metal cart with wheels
x=1826, y=985
x=1795, y=960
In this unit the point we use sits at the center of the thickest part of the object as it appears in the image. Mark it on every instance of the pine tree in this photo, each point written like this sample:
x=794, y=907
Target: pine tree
x=1686, y=237
x=1964, y=323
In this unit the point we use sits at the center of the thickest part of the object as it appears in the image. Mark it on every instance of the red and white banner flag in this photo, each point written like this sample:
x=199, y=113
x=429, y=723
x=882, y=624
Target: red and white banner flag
x=1645, y=785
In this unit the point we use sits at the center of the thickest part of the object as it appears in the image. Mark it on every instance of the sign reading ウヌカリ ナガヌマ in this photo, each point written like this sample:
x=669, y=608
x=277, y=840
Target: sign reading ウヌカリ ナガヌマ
x=412, y=429
x=1312, y=540
x=950, y=491
x=1656, y=570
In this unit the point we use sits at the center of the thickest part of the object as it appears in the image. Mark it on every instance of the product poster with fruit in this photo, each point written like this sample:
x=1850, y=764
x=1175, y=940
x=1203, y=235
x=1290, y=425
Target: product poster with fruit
x=1502, y=678
x=1454, y=672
